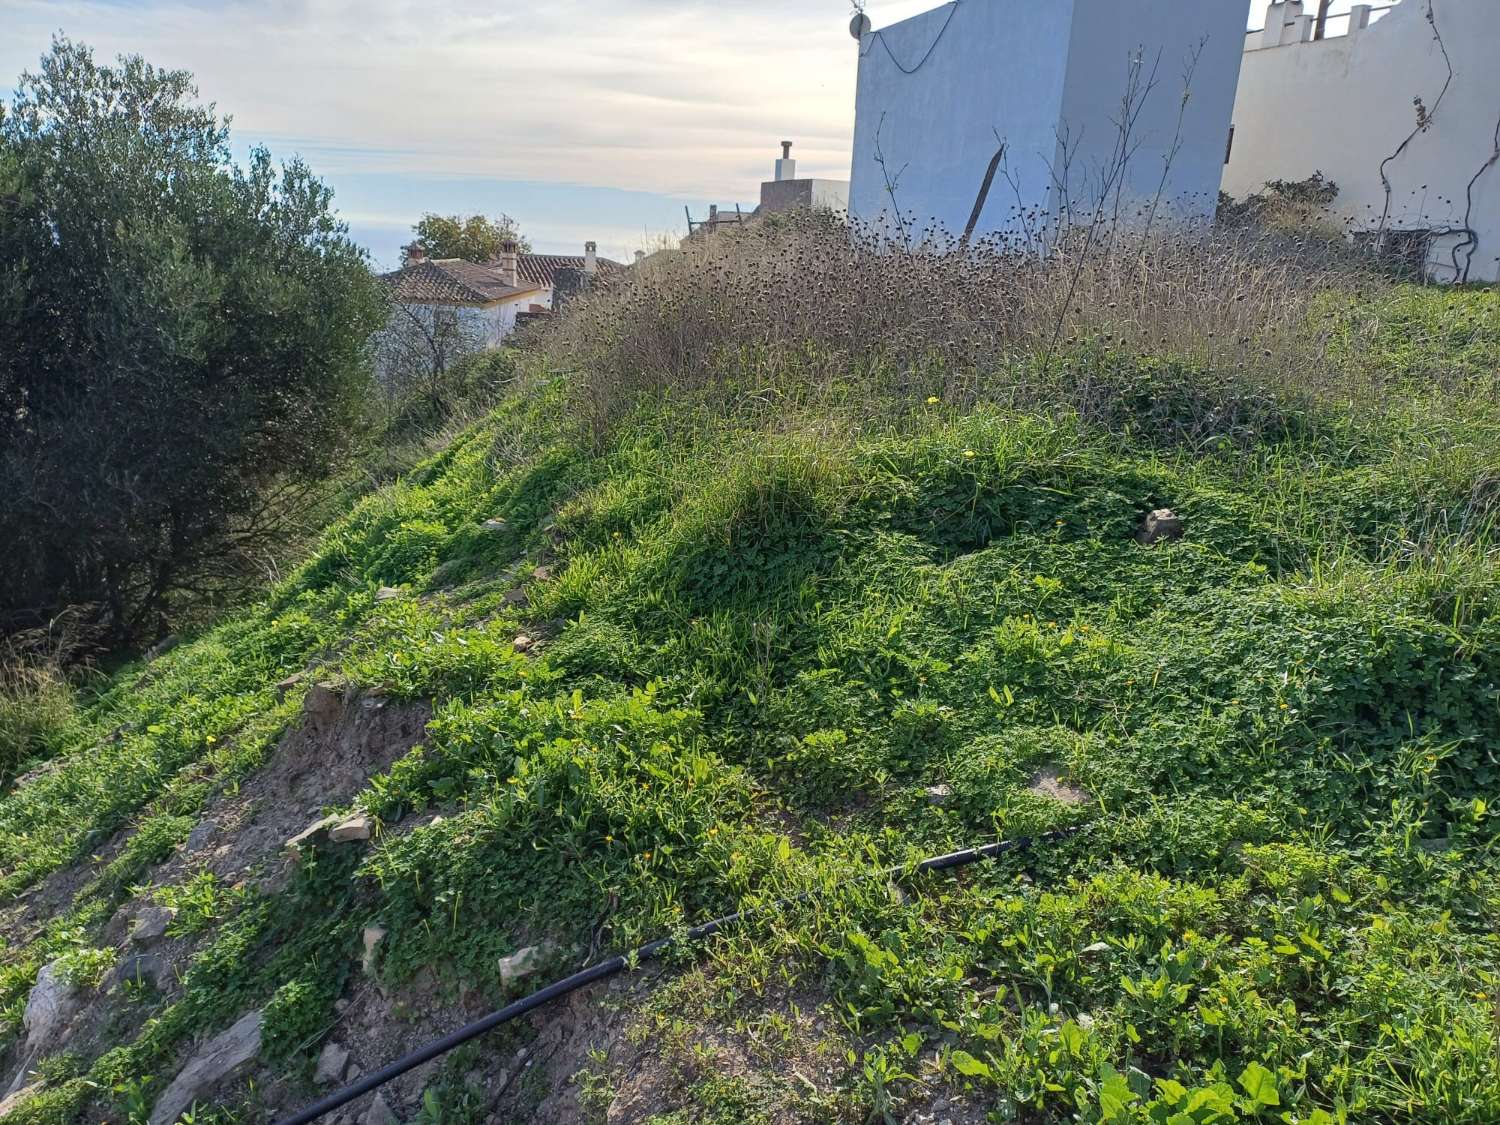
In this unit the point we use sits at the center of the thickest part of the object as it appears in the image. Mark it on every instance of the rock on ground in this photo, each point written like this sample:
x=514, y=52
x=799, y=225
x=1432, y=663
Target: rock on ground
x=151, y=924
x=1160, y=524
x=51, y=1006
x=219, y=1058
x=331, y=1064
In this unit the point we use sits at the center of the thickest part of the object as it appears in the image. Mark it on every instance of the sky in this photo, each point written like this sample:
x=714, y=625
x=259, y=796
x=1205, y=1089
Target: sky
x=582, y=119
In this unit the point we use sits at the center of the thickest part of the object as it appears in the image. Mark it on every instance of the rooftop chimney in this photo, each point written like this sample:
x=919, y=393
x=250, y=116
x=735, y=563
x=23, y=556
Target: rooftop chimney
x=416, y=254
x=590, y=257
x=506, y=264
x=786, y=167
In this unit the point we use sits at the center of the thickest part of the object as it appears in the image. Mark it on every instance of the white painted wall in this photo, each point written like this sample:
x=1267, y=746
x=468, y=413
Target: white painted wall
x=1166, y=33
x=1342, y=105
x=1028, y=72
x=999, y=68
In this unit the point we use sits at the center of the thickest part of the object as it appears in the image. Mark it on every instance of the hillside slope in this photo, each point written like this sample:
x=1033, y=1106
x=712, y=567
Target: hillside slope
x=583, y=696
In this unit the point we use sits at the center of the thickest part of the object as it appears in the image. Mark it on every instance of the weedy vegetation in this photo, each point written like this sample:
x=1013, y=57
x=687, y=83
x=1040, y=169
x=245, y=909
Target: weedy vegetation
x=831, y=556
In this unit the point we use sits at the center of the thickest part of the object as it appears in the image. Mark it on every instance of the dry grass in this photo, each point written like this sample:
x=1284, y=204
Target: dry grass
x=38, y=707
x=1209, y=332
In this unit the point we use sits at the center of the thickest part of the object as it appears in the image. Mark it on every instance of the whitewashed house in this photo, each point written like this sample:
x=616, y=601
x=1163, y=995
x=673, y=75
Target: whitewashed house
x=445, y=308
x=1015, y=104
x=1400, y=108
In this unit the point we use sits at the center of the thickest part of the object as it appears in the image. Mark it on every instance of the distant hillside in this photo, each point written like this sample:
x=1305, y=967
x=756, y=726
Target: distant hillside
x=568, y=688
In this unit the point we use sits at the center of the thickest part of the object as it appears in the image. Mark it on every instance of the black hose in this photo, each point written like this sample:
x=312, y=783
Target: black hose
x=609, y=968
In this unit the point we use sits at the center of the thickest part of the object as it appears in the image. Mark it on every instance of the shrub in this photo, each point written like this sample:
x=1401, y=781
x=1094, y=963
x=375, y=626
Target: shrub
x=805, y=307
x=184, y=343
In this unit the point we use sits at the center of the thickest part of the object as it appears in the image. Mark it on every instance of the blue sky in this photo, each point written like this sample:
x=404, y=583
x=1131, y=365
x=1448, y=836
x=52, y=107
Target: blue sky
x=584, y=119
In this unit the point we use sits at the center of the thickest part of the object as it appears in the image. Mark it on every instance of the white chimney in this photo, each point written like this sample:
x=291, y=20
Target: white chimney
x=590, y=257
x=506, y=264
x=786, y=167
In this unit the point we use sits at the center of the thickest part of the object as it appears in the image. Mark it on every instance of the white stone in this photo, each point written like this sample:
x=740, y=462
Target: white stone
x=372, y=938
x=522, y=963
x=357, y=827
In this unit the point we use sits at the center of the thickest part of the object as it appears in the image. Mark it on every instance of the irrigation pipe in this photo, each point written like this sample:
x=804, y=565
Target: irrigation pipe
x=609, y=968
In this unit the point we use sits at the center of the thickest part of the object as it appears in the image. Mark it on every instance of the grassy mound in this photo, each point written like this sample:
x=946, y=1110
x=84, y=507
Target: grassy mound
x=777, y=654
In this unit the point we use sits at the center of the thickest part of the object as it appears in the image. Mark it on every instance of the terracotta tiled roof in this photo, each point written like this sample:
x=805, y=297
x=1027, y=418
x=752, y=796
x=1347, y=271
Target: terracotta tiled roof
x=541, y=269
x=453, y=281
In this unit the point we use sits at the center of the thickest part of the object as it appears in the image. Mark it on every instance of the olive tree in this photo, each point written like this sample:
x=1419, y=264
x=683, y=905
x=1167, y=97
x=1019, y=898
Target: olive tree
x=183, y=342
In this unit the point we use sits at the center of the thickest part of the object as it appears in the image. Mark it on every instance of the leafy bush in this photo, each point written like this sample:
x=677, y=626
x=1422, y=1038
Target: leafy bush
x=183, y=343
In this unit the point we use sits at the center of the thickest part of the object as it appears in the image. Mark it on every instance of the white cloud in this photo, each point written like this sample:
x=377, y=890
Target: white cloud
x=686, y=99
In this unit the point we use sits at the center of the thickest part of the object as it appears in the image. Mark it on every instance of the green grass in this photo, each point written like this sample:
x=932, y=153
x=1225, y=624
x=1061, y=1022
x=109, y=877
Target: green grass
x=767, y=643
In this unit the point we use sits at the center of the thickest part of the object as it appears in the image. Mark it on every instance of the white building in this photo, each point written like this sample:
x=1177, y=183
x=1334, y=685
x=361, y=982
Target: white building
x=445, y=308
x=940, y=93
x=1345, y=105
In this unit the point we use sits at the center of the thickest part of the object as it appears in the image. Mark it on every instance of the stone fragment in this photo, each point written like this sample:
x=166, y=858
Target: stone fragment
x=219, y=1058
x=1048, y=782
x=324, y=702
x=522, y=963
x=293, y=847
x=522, y=643
x=493, y=526
x=201, y=834
x=379, y=1113
x=139, y=968
x=331, y=1063
x=51, y=1006
x=939, y=794
x=1160, y=524
x=373, y=936
x=151, y=924
x=356, y=827
x=162, y=647
x=13, y=1100
x=542, y=574
x=514, y=597
x=387, y=594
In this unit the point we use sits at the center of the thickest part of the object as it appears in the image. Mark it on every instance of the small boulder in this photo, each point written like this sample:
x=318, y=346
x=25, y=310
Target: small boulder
x=139, y=968
x=357, y=827
x=331, y=1063
x=151, y=924
x=522, y=963
x=515, y=597
x=939, y=794
x=379, y=1113
x=387, y=594
x=542, y=574
x=201, y=834
x=493, y=526
x=220, y=1057
x=522, y=643
x=50, y=1008
x=373, y=936
x=294, y=846
x=323, y=703
x=1160, y=524
x=162, y=647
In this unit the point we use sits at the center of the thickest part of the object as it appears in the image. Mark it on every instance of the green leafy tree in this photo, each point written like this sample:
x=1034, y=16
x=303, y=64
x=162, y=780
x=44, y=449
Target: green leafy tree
x=476, y=238
x=183, y=343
